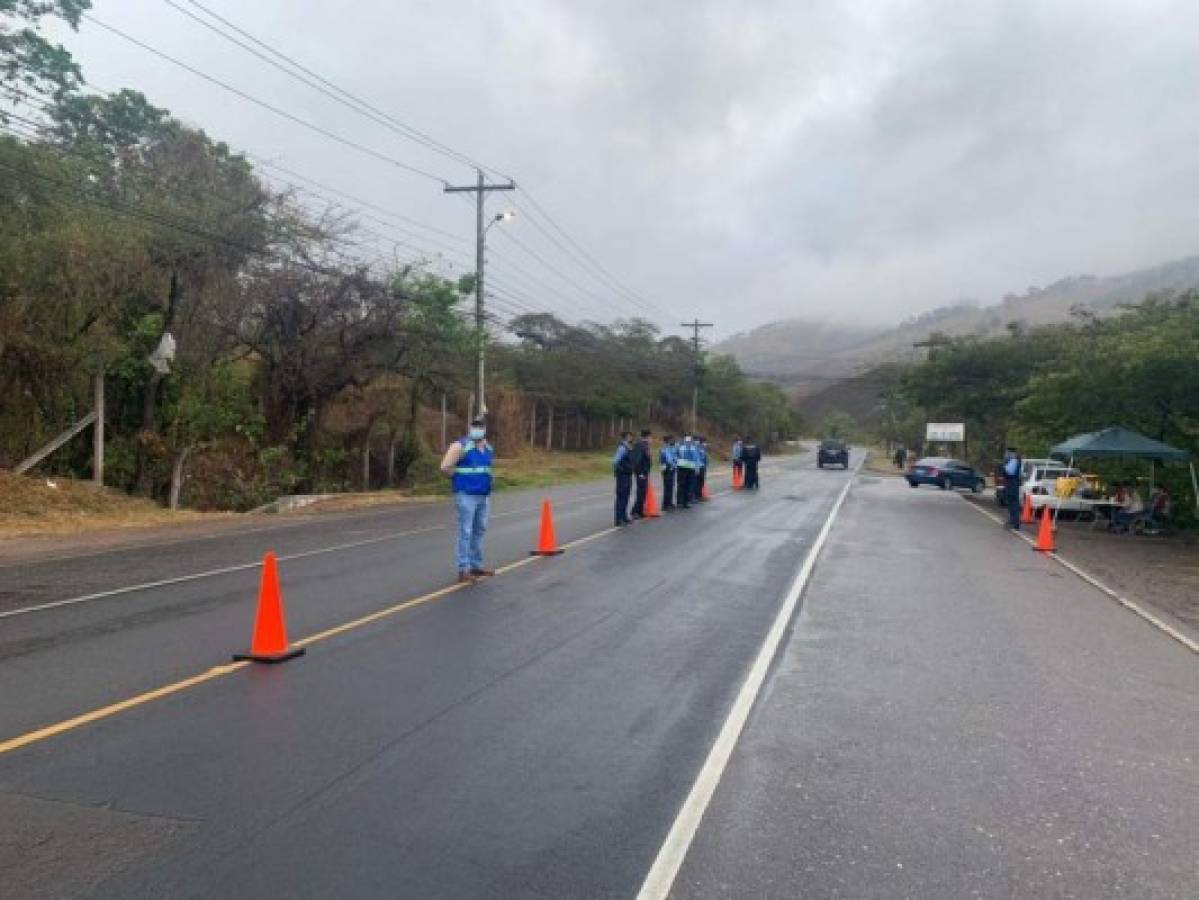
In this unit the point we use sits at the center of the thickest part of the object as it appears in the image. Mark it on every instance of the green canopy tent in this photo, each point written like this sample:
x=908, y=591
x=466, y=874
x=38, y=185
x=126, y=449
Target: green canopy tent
x=1112, y=443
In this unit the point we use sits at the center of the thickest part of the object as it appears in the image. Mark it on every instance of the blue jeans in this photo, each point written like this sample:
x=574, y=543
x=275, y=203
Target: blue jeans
x=473, y=510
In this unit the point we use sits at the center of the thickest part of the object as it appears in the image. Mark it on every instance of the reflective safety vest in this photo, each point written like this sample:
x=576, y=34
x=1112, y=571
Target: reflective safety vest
x=688, y=456
x=472, y=475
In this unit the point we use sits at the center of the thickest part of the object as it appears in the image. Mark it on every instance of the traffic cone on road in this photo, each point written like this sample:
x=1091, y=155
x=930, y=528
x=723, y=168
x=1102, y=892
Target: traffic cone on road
x=1026, y=517
x=651, y=502
x=705, y=494
x=269, y=641
x=547, y=543
x=1044, y=542
x=738, y=478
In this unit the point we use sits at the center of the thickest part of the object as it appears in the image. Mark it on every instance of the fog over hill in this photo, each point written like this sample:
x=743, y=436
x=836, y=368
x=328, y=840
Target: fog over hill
x=809, y=354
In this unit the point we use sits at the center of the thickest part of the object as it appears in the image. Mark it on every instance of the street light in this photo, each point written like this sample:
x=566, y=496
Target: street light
x=480, y=324
x=500, y=217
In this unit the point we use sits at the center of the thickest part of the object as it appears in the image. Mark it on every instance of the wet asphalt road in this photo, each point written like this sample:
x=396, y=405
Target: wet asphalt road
x=956, y=716
x=530, y=736
x=951, y=716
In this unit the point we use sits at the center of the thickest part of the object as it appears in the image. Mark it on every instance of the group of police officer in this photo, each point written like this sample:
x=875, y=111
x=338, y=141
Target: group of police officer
x=684, y=467
x=468, y=461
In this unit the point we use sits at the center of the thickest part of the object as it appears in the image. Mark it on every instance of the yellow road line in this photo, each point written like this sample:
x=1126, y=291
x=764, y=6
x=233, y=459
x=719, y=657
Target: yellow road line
x=104, y=712
x=212, y=674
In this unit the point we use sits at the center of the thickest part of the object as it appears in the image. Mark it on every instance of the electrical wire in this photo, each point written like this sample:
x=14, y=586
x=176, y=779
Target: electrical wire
x=319, y=83
x=400, y=164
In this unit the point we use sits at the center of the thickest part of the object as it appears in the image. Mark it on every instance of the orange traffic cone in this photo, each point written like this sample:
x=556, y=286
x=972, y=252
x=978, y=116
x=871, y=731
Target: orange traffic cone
x=269, y=642
x=651, y=502
x=1026, y=516
x=705, y=494
x=547, y=544
x=1044, y=542
x=738, y=478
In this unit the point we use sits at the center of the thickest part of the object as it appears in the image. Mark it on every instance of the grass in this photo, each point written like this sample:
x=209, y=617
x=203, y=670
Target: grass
x=32, y=506
x=39, y=506
x=879, y=462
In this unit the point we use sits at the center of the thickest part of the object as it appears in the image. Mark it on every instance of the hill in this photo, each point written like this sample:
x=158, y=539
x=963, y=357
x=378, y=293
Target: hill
x=809, y=355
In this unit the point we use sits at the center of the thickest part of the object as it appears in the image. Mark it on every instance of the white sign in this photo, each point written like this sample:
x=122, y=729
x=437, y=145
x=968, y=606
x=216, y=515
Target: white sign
x=945, y=431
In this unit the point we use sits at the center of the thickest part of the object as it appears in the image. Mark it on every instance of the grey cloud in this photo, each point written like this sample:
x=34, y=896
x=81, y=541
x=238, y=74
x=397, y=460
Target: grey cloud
x=749, y=161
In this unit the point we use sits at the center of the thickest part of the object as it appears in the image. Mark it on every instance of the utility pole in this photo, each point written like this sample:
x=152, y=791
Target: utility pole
x=695, y=342
x=480, y=190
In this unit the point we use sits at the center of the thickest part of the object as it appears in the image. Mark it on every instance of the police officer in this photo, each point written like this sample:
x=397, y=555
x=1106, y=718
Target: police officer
x=622, y=468
x=701, y=467
x=468, y=464
x=738, y=468
x=688, y=461
x=668, y=458
x=750, y=457
x=1012, y=465
x=643, y=465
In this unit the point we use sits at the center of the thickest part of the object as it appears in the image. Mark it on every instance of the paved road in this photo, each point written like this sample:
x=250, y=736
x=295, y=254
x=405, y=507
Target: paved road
x=956, y=716
x=531, y=735
x=947, y=710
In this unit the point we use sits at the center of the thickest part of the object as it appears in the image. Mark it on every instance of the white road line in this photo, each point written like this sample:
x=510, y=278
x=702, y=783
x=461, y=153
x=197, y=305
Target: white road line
x=195, y=576
x=670, y=856
x=241, y=567
x=1131, y=605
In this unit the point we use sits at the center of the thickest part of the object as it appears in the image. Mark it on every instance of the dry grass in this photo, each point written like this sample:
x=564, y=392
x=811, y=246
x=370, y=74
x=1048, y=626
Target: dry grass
x=878, y=462
x=32, y=505
x=529, y=469
x=37, y=506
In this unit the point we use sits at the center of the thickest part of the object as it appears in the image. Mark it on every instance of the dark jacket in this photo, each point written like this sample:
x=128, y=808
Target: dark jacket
x=622, y=462
x=642, y=457
x=751, y=454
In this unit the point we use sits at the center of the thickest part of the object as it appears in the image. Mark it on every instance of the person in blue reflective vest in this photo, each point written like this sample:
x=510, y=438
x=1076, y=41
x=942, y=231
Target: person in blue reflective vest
x=701, y=467
x=738, y=468
x=668, y=458
x=622, y=468
x=687, y=458
x=467, y=462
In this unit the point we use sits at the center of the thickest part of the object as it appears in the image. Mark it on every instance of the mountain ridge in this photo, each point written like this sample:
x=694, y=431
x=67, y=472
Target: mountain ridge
x=808, y=354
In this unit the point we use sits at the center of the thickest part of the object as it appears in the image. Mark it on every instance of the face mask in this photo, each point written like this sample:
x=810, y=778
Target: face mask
x=477, y=434
x=687, y=439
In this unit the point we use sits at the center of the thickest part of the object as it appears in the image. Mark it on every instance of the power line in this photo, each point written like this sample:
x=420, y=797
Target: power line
x=183, y=225
x=267, y=106
x=262, y=161
x=358, y=104
x=323, y=85
x=589, y=264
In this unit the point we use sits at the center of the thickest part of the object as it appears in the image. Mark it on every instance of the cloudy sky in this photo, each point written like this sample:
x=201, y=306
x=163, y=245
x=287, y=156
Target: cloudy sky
x=739, y=161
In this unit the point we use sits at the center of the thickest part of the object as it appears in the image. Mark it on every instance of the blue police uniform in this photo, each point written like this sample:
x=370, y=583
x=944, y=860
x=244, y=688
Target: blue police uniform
x=701, y=470
x=668, y=458
x=687, y=466
x=622, y=468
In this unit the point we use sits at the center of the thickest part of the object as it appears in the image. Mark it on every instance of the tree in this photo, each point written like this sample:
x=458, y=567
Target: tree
x=29, y=64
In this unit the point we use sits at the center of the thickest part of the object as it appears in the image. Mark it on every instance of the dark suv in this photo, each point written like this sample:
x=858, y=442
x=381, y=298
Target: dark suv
x=832, y=452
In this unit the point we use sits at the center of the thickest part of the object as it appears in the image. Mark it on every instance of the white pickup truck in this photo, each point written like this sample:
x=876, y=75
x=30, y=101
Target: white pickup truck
x=1041, y=484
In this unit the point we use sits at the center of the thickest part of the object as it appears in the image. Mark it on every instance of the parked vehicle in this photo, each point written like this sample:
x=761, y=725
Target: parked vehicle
x=1026, y=468
x=946, y=473
x=1041, y=485
x=832, y=452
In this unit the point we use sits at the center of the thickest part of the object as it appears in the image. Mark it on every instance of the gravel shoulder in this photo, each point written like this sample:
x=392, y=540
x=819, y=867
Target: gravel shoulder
x=1160, y=571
